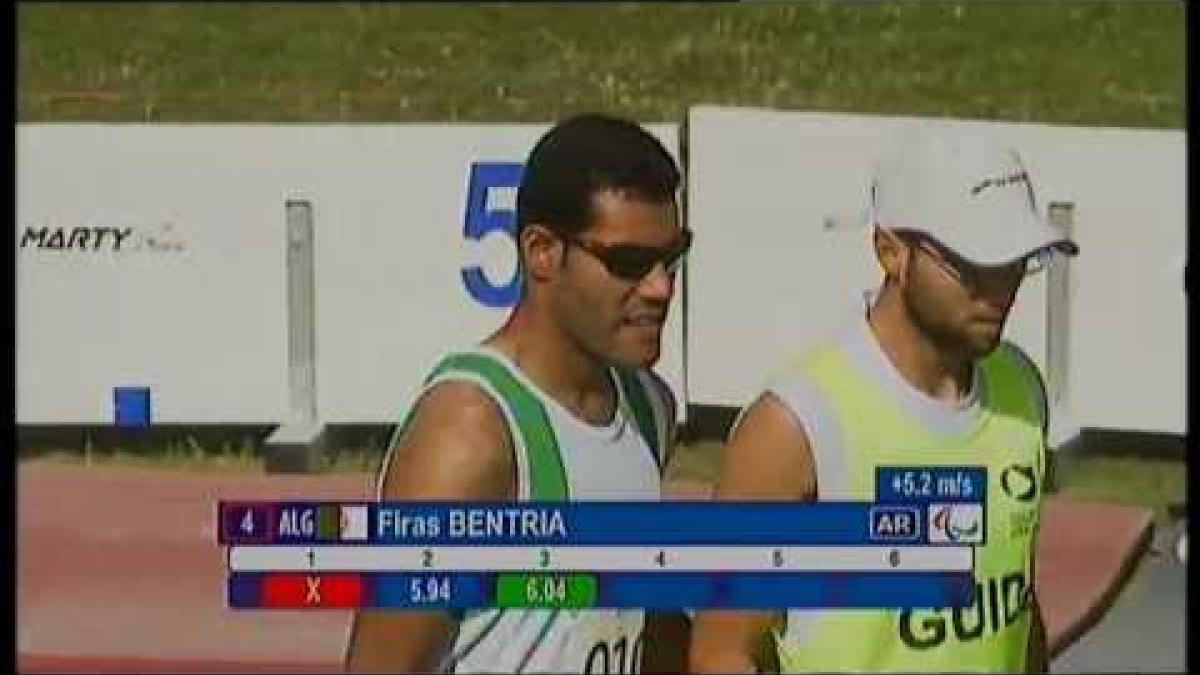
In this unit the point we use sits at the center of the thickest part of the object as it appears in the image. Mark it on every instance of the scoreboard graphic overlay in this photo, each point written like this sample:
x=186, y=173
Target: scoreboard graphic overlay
x=913, y=547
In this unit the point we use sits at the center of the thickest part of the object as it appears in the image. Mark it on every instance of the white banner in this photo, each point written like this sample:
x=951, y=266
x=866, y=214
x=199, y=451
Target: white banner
x=155, y=256
x=192, y=301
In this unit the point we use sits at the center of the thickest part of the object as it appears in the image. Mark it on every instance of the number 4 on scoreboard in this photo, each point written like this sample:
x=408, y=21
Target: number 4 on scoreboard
x=243, y=523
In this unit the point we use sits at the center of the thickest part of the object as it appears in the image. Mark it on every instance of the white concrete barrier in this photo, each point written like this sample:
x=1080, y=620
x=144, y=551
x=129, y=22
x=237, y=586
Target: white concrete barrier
x=191, y=302
x=155, y=256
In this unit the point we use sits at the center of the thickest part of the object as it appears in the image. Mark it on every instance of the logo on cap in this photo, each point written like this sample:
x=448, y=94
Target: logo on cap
x=1001, y=181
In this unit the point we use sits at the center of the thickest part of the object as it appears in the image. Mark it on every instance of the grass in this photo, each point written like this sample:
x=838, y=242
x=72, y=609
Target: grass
x=166, y=460
x=1157, y=484
x=193, y=459
x=697, y=462
x=1113, y=64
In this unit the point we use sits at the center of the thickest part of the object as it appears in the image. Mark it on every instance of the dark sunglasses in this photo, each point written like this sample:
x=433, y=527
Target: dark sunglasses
x=975, y=276
x=631, y=262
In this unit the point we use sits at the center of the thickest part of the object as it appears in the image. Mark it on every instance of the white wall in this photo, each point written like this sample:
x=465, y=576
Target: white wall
x=200, y=316
x=389, y=209
x=202, y=326
x=205, y=326
x=767, y=275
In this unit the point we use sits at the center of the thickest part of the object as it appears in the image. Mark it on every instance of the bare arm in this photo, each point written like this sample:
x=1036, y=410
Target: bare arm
x=456, y=448
x=1037, y=659
x=1037, y=655
x=767, y=458
x=664, y=642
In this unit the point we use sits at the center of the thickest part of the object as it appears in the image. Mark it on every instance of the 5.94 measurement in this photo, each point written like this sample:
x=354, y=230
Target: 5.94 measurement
x=429, y=590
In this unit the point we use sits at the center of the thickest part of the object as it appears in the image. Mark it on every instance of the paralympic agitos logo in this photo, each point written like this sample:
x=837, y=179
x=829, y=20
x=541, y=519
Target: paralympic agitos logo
x=962, y=523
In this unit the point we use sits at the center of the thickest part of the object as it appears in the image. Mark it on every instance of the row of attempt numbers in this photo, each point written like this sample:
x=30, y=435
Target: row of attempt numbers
x=598, y=558
x=545, y=559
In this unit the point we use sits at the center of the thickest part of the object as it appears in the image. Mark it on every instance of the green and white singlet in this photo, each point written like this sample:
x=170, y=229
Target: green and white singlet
x=858, y=412
x=561, y=457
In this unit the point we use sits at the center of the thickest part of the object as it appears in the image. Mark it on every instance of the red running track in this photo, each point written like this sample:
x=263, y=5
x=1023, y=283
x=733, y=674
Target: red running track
x=119, y=571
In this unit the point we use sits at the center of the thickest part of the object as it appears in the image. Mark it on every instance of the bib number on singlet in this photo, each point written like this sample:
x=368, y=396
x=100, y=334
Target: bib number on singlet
x=616, y=657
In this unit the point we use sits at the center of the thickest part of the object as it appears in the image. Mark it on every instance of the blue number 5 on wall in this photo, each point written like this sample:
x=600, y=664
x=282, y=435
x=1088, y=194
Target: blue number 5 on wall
x=480, y=220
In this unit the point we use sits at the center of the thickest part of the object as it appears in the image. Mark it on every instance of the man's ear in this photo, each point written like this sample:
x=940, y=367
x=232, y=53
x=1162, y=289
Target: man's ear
x=542, y=251
x=892, y=253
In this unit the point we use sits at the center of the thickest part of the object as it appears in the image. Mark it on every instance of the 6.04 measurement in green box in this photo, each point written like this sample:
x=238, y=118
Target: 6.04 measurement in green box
x=550, y=591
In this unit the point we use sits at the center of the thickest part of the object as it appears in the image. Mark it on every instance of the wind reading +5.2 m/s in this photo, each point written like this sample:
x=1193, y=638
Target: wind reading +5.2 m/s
x=927, y=484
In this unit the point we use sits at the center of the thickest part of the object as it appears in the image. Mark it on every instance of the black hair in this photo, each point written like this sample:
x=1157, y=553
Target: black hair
x=586, y=154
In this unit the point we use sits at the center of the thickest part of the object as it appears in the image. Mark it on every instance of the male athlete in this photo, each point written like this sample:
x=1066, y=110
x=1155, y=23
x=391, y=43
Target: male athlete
x=919, y=377
x=559, y=404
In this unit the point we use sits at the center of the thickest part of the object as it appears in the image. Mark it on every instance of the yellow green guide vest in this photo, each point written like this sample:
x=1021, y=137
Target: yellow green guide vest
x=1006, y=437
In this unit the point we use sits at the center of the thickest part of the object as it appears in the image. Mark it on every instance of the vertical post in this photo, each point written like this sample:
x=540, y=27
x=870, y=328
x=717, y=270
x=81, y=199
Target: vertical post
x=1061, y=432
x=296, y=444
x=1058, y=310
x=301, y=326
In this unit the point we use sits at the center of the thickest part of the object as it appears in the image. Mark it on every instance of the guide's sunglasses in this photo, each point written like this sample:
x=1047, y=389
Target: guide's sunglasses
x=977, y=276
x=631, y=262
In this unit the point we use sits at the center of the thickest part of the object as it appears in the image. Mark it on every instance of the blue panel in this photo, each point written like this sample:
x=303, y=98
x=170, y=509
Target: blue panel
x=131, y=407
x=245, y=590
x=924, y=484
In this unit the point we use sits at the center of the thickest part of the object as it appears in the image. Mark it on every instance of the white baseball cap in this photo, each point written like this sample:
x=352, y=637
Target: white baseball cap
x=963, y=189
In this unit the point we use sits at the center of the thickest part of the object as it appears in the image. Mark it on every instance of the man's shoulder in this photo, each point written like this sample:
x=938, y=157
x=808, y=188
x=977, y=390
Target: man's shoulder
x=796, y=366
x=1015, y=351
x=458, y=379
x=481, y=369
x=455, y=444
x=457, y=401
x=459, y=408
x=467, y=358
x=1016, y=355
x=799, y=385
x=456, y=393
x=1031, y=374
